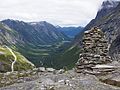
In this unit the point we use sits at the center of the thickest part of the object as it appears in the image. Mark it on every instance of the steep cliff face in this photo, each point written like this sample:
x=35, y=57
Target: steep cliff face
x=108, y=20
x=110, y=23
x=107, y=6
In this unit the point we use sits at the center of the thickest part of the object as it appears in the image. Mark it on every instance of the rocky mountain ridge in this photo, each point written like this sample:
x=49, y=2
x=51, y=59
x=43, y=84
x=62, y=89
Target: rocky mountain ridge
x=109, y=23
x=39, y=33
x=106, y=7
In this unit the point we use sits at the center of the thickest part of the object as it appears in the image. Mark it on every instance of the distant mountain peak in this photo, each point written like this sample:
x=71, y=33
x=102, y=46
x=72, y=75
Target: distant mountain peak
x=44, y=22
x=109, y=4
x=57, y=26
x=12, y=21
x=41, y=23
x=108, y=20
x=106, y=7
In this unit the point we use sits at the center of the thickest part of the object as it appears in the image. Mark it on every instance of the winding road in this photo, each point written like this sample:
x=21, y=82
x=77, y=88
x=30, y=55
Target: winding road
x=15, y=58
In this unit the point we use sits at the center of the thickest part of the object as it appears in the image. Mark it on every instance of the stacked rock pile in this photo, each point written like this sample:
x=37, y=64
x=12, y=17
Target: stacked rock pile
x=94, y=51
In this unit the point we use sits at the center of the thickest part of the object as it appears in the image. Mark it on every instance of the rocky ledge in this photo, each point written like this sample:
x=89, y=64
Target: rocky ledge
x=10, y=78
x=69, y=80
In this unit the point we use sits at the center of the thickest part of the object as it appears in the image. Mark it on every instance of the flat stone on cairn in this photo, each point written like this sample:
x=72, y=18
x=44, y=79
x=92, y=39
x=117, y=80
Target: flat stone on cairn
x=94, y=50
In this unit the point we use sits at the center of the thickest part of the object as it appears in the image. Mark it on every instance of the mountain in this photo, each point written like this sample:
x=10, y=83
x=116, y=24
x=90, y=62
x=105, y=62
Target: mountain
x=10, y=37
x=109, y=22
x=49, y=32
x=71, y=32
x=39, y=42
x=39, y=33
x=106, y=7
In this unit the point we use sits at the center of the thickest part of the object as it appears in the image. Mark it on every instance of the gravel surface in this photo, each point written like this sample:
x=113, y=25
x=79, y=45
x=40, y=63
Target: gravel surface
x=65, y=81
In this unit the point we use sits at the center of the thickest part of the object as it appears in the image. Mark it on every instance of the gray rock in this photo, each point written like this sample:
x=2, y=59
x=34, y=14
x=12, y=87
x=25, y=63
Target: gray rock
x=50, y=69
x=35, y=69
x=65, y=81
x=41, y=69
x=61, y=71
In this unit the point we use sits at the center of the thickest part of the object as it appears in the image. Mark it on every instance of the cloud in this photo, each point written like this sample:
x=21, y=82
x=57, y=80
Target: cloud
x=58, y=12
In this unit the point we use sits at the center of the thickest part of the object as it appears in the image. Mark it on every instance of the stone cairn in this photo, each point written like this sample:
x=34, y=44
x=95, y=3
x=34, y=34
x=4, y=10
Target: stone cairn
x=94, y=50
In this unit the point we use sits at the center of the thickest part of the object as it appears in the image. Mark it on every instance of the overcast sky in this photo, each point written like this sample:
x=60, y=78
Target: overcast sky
x=57, y=12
